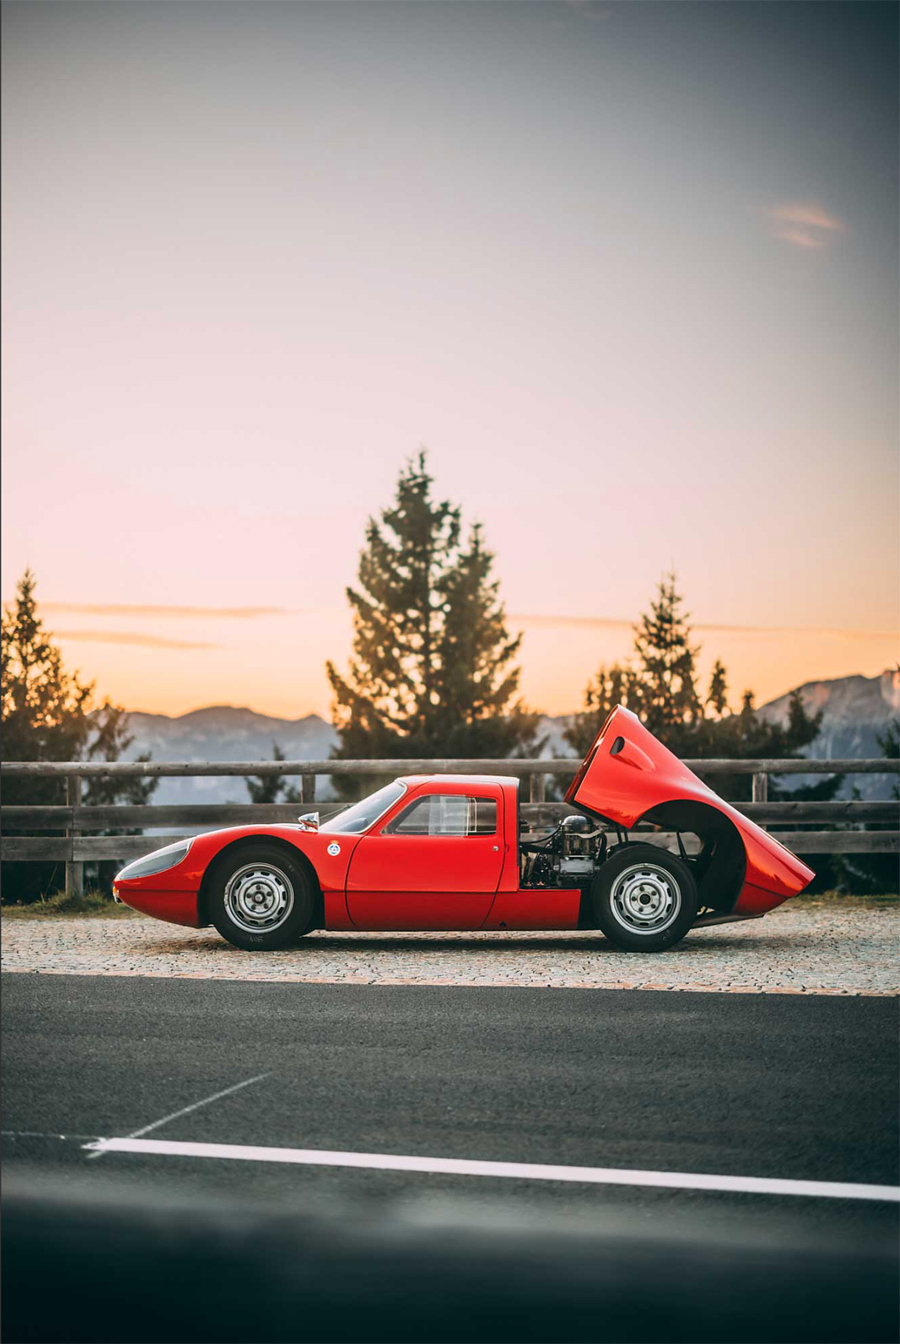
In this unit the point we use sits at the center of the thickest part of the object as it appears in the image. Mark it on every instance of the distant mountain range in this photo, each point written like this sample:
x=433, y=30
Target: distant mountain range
x=856, y=710
x=855, y=713
x=224, y=733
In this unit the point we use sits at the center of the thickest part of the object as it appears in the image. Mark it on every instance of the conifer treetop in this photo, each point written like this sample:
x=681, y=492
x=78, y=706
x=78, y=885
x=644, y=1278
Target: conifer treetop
x=432, y=667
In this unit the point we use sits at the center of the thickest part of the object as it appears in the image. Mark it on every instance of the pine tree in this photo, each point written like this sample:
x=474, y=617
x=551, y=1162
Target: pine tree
x=660, y=687
x=387, y=700
x=47, y=714
x=111, y=739
x=431, y=668
x=608, y=689
x=664, y=688
x=272, y=788
x=44, y=707
x=717, y=697
x=746, y=736
x=477, y=714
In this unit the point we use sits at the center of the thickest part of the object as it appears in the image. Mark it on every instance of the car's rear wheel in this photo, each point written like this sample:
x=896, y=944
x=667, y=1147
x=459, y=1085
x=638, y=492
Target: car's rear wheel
x=260, y=898
x=644, y=899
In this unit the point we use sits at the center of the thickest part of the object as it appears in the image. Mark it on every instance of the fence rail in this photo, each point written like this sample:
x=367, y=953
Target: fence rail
x=231, y=814
x=75, y=849
x=443, y=766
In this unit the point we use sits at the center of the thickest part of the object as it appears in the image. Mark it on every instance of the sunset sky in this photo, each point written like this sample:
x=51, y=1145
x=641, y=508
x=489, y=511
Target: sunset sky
x=628, y=270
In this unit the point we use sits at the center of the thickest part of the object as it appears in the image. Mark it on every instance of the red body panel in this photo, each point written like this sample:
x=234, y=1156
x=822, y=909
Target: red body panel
x=175, y=907
x=429, y=881
x=624, y=782
x=422, y=882
x=535, y=908
x=385, y=881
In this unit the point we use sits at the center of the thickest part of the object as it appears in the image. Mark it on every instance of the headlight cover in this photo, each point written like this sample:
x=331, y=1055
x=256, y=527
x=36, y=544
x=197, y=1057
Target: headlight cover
x=157, y=862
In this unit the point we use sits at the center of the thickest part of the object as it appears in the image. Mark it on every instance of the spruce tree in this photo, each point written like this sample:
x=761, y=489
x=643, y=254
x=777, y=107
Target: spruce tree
x=717, y=697
x=431, y=670
x=477, y=712
x=48, y=714
x=746, y=736
x=664, y=690
x=109, y=738
x=44, y=707
x=608, y=689
x=660, y=686
x=272, y=788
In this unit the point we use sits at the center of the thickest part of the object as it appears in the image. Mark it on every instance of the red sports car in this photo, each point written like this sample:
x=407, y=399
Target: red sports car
x=445, y=852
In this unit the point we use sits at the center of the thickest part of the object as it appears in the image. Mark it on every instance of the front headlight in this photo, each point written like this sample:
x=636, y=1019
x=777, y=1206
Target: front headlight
x=157, y=862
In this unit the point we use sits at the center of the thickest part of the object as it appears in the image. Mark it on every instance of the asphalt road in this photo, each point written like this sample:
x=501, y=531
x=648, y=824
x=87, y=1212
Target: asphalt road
x=800, y=1088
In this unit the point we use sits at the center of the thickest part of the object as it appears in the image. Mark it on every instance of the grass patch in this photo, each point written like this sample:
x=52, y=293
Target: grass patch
x=881, y=900
x=94, y=904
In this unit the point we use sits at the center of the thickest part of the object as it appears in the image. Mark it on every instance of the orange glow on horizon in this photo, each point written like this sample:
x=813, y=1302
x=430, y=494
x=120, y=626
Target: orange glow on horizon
x=156, y=674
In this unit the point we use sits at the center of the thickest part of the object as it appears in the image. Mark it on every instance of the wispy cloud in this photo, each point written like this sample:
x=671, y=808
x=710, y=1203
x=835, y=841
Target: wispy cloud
x=552, y=622
x=130, y=637
x=811, y=216
x=805, y=224
x=195, y=613
x=801, y=238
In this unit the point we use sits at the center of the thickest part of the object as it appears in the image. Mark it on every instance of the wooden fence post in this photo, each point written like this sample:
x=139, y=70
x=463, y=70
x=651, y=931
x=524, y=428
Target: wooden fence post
x=760, y=792
x=307, y=788
x=537, y=791
x=74, y=870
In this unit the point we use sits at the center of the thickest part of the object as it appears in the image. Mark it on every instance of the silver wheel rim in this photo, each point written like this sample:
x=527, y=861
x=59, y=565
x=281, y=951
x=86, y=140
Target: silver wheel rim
x=258, y=898
x=645, y=898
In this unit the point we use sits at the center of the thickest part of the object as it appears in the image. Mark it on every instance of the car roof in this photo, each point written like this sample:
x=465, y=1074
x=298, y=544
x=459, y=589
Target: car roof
x=503, y=780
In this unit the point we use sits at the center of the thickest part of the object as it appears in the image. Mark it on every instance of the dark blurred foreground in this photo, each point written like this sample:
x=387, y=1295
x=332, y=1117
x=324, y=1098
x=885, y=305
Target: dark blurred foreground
x=113, y=1267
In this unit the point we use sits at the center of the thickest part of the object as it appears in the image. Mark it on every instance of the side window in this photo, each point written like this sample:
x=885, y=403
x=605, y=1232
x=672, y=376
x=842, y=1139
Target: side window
x=447, y=814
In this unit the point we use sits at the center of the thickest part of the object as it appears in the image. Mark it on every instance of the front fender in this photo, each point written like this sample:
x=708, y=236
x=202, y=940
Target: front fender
x=174, y=895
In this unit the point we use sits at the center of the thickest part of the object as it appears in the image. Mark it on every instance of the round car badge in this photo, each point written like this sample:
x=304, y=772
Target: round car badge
x=334, y=849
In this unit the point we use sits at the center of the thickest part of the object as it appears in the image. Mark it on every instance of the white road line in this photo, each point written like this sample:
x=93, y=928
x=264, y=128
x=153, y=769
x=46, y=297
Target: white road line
x=195, y=1106
x=529, y=1171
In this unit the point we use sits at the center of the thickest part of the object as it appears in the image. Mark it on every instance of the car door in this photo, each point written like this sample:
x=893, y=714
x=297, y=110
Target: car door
x=435, y=864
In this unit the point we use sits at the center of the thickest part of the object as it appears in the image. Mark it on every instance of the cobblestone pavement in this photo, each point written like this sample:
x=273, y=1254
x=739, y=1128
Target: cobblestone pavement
x=798, y=949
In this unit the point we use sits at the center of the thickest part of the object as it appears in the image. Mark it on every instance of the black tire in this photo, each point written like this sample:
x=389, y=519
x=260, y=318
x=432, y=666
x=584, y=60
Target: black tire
x=649, y=913
x=260, y=897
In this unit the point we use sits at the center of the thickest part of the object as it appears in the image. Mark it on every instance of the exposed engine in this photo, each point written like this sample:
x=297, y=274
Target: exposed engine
x=567, y=857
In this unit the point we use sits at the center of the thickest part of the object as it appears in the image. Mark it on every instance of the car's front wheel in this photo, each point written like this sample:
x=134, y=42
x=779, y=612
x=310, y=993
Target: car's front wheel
x=644, y=899
x=260, y=898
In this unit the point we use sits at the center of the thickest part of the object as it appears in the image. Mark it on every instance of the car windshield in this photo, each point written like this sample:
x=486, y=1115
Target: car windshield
x=360, y=816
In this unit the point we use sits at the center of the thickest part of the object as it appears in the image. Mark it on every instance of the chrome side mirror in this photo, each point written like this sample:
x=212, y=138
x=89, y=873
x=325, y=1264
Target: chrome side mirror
x=309, y=821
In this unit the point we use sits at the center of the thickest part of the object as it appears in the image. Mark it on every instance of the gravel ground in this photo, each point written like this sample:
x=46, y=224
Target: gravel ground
x=798, y=949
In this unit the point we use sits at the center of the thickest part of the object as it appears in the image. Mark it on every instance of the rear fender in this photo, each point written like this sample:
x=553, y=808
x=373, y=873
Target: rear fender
x=629, y=776
x=721, y=866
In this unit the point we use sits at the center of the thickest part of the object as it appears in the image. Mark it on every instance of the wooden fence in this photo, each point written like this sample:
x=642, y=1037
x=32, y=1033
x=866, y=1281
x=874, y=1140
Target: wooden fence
x=74, y=848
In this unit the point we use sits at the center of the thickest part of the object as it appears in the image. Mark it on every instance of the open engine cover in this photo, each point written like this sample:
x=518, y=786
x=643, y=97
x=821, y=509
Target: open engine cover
x=628, y=772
